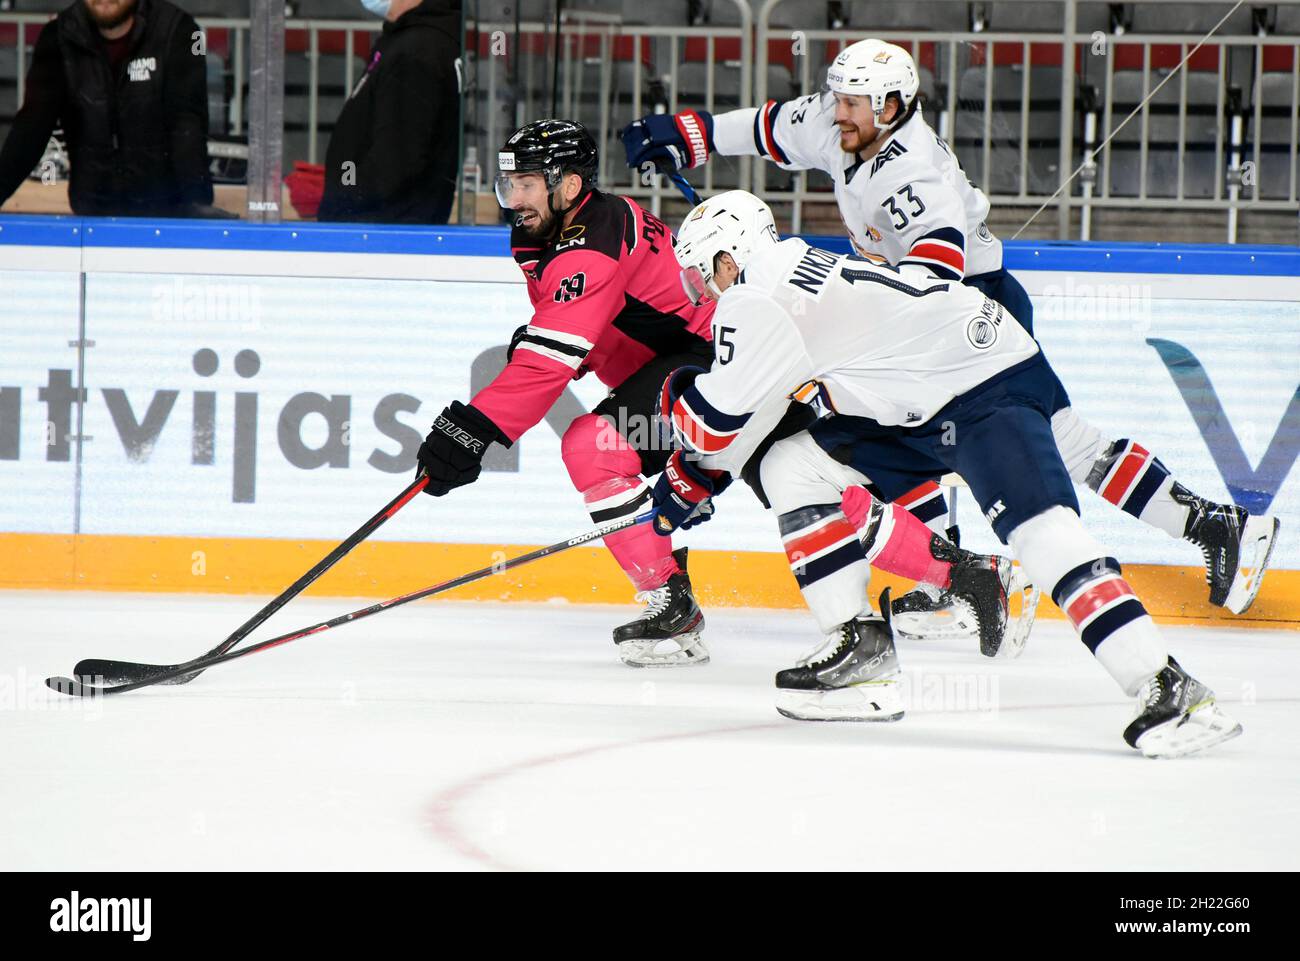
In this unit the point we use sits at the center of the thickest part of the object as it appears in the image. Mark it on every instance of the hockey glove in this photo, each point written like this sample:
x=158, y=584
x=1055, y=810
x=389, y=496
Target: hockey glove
x=452, y=454
x=683, y=494
x=670, y=142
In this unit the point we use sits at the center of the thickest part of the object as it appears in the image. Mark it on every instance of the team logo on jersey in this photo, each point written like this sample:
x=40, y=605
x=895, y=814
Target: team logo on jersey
x=874, y=234
x=983, y=233
x=892, y=149
x=571, y=237
x=982, y=331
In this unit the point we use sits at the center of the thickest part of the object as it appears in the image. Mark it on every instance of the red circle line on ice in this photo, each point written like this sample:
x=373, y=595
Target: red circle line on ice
x=442, y=815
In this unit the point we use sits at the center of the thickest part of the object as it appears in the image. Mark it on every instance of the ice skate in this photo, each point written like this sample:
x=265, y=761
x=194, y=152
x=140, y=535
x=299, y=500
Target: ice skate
x=1177, y=716
x=1236, y=546
x=667, y=632
x=858, y=680
x=977, y=603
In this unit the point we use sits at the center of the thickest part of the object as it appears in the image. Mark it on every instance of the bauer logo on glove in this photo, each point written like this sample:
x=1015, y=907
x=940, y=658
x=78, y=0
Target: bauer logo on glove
x=452, y=454
x=683, y=494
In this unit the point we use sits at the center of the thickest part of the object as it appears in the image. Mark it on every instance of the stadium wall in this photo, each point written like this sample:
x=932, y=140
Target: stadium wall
x=208, y=406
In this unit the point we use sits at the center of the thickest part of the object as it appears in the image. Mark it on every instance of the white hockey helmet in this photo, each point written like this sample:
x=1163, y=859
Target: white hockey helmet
x=736, y=223
x=875, y=69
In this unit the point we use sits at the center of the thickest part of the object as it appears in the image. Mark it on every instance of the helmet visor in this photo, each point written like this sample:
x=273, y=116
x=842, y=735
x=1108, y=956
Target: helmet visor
x=696, y=285
x=504, y=188
x=510, y=181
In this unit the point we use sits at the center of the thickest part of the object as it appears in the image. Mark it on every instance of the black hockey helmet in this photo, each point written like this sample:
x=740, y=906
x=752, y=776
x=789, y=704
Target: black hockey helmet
x=551, y=148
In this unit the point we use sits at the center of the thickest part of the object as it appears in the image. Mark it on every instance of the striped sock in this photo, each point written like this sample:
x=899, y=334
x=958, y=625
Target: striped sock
x=928, y=504
x=646, y=557
x=828, y=562
x=1133, y=479
x=1111, y=622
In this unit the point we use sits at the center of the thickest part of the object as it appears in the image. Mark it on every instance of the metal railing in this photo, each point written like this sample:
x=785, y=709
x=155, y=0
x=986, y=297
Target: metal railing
x=1098, y=119
x=594, y=102
x=1023, y=121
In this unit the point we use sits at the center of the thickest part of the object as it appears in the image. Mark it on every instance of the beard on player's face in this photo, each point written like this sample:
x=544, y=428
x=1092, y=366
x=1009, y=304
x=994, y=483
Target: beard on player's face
x=854, y=139
x=108, y=14
x=534, y=221
x=854, y=119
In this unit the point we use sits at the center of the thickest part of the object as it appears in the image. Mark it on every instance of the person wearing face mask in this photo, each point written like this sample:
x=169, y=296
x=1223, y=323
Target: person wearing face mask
x=394, y=154
x=125, y=82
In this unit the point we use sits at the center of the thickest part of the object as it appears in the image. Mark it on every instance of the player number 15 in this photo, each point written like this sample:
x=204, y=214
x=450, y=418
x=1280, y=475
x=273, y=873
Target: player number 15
x=722, y=342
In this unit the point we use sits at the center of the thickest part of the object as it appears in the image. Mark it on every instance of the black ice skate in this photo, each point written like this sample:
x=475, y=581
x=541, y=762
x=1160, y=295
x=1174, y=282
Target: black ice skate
x=668, y=631
x=1236, y=546
x=857, y=681
x=975, y=604
x=1177, y=715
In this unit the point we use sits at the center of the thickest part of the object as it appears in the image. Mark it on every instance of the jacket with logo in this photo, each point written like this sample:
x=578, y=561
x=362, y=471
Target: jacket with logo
x=137, y=136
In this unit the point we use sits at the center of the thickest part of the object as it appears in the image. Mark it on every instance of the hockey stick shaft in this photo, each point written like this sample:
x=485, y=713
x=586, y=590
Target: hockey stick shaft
x=69, y=686
x=289, y=593
x=684, y=185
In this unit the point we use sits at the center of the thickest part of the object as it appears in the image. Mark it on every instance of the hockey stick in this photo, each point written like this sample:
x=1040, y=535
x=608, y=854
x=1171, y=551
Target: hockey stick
x=684, y=185
x=78, y=688
x=129, y=671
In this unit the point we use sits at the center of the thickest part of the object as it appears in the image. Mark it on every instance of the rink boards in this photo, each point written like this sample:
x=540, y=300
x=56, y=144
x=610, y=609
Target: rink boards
x=210, y=407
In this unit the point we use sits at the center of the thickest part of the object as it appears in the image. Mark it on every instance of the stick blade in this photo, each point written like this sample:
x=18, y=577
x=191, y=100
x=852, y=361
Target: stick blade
x=126, y=672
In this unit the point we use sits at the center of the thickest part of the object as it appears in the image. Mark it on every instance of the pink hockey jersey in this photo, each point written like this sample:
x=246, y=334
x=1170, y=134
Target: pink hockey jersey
x=607, y=297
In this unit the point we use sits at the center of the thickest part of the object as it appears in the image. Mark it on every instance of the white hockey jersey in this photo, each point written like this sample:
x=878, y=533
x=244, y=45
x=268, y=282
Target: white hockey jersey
x=910, y=203
x=891, y=343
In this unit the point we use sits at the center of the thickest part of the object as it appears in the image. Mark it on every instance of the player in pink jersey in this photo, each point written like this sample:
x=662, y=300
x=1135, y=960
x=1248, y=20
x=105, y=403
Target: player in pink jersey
x=606, y=301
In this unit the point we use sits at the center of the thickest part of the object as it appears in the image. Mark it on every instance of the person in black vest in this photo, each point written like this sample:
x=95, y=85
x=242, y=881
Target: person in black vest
x=127, y=80
x=395, y=151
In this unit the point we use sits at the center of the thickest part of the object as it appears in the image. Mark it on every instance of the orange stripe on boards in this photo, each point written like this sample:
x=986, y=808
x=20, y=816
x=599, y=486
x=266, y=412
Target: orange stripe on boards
x=582, y=575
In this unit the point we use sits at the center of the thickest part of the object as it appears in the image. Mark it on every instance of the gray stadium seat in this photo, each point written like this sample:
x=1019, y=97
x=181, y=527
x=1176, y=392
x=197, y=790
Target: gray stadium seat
x=1202, y=106
x=1189, y=18
x=867, y=16
x=1275, y=134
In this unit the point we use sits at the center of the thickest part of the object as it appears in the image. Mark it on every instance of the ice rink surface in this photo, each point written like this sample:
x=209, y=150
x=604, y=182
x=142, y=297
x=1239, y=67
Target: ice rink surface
x=450, y=735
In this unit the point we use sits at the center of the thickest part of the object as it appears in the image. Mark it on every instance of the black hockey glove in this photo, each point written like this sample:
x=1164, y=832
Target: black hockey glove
x=452, y=454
